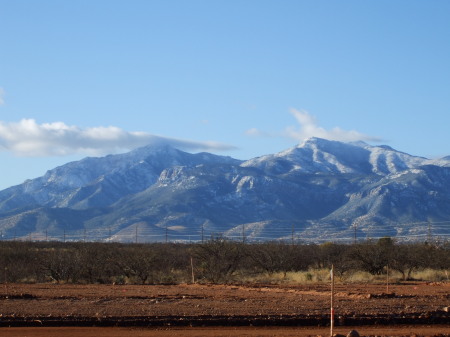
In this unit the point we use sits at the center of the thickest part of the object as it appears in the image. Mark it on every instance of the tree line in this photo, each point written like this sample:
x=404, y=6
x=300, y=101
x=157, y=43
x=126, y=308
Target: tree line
x=215, y=261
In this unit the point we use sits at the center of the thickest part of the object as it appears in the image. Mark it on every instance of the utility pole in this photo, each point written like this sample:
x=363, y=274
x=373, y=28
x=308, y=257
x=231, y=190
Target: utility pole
x=136, y=239
x=293, y=231
x=429, y=235
x=243, y=233
x=203, y=225
x=167, y=235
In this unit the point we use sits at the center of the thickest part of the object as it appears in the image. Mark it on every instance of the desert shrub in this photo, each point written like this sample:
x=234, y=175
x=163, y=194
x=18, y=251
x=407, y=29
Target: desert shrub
x=217, y=260
x=436, y=256
x=337, y=255
x=407, y=258
x=138, y=262
x=61, y=265
x=96, y=262
x=18, y=262
x=372, y=257
x=271, y=257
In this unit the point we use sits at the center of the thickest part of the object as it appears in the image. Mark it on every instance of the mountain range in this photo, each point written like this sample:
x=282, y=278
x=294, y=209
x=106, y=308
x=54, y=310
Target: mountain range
x=319, y=190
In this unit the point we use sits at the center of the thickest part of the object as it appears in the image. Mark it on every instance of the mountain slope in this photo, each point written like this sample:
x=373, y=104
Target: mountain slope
x=317, y=155
x=318, y=190
x=99, y=182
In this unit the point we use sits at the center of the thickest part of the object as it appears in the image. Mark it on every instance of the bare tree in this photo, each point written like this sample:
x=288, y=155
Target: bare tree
x=272, y=257
x=217, y=260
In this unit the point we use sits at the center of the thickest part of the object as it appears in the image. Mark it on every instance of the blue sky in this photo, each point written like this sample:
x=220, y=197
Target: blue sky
x=240, y=78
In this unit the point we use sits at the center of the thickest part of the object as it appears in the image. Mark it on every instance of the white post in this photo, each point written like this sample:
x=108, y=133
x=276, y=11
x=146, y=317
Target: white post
x=332, y=302
x=387, y=279
x=192, y=270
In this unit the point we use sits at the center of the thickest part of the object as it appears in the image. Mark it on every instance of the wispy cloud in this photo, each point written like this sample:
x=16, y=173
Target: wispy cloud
x=308, y=127
x=254, y=132
x=28, y=138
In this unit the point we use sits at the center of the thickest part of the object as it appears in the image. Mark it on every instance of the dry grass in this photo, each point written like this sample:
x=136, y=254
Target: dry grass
x=323, y=275
x=432, y=275
x=300, y=277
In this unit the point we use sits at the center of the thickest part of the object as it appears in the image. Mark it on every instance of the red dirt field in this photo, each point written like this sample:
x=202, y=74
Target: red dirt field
x=420, y=309
x=224, y=331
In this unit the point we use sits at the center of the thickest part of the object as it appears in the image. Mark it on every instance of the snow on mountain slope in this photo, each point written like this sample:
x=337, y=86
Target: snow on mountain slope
x=317, y=155
x=444, y=162
x=98, y=182
x=411, y=196
x=320, y=187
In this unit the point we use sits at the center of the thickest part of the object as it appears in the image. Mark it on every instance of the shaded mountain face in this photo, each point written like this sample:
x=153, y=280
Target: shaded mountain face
x=318, y=190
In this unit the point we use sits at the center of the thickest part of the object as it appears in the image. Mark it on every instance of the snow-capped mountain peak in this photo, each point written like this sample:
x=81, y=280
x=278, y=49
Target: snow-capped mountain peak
x=322, y=188
x=317, y=155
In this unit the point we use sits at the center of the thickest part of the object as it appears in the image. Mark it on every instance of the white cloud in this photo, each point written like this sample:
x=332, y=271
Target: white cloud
x=254, y=132
x=308, y=128
x=2, y=96
x=28, y=138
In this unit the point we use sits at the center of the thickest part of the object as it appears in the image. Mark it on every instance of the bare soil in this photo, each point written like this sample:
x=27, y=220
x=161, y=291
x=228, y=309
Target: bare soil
x=420, y=309
x=397, y=331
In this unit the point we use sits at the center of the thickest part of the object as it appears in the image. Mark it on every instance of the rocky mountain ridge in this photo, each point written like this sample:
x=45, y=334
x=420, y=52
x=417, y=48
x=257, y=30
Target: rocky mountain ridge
x=320, y=190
